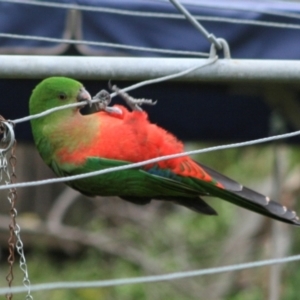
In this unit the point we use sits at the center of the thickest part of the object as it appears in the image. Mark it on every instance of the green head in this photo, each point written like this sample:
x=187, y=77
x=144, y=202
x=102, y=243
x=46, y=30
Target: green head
x=53, y=92
x=56, y=91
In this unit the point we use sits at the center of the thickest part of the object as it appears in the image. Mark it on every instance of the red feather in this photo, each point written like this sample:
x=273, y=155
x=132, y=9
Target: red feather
x=131, y=137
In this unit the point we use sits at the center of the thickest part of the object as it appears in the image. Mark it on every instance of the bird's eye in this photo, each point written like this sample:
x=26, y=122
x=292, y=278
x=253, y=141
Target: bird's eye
x=62, y=96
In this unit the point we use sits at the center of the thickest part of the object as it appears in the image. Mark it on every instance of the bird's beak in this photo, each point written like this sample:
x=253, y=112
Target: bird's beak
x=84, y=96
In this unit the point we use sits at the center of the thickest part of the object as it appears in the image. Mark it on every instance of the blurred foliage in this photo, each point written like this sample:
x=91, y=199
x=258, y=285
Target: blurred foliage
x=173, y=237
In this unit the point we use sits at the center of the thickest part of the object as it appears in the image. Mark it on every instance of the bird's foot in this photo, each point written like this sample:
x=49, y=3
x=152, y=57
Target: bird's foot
x=104, y=100
x=134, y=104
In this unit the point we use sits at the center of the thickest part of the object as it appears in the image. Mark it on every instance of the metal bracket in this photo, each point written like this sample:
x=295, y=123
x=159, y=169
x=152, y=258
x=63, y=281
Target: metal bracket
x=8, y=139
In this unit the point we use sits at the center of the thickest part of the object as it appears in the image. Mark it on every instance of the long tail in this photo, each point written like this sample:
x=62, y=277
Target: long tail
x=249, y=199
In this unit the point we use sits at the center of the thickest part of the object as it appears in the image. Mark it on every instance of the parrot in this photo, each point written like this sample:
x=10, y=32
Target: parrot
x=72, y=143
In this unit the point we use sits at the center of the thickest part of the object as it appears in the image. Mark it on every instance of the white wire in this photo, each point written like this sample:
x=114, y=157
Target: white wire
x=145, y=279
x=170, y=15
x=149, y=14
x=249, y=22
x=101, y=44
x=127, y=89
x=149, y=161
x=240, y=6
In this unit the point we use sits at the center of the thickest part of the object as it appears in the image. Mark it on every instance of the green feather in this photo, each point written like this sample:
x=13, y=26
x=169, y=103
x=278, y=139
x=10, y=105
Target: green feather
x=45, y=96
x=134, y=182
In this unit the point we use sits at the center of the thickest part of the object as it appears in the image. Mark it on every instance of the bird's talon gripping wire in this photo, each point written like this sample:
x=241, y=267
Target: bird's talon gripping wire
x=104, y=100
x=134, y=104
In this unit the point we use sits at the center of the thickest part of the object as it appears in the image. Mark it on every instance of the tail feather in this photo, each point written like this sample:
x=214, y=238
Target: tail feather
x=253, y=196
x=227, y=183
x=272, y=209
x=247, y=198
x=196, y=204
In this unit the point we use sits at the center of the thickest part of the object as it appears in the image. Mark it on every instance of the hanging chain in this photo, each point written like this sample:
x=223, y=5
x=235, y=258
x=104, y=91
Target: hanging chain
x=12, y=197
x=5, y=177
x=14, y=240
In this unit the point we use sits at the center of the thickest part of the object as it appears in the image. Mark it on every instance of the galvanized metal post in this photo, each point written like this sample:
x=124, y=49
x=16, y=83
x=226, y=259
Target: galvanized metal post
x=132, y=68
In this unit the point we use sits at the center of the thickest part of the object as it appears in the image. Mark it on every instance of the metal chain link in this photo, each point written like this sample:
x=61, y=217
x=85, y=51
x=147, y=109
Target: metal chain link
x=15, y=237
x=23, y=264
x=17, y=230
x=11, y=240
x=5, y=177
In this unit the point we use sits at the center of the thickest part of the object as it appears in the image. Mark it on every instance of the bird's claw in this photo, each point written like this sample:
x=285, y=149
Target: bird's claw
x=113, y=110
x=134, y=104
x=104, y=100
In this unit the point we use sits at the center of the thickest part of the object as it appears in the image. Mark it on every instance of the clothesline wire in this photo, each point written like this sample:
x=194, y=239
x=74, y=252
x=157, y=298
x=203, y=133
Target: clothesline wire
x=134, y=13
x=102, y=44
x=162, y=15
x=148, y=279
x=150, y=14
x=248, y=22
x=127, y=89
x=149, y=161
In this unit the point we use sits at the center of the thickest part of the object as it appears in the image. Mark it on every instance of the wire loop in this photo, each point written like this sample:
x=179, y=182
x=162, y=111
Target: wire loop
x=225, y=48
x=8, y=139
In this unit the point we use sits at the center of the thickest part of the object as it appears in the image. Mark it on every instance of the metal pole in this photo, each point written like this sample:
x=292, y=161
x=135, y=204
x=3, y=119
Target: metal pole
x=131, y=68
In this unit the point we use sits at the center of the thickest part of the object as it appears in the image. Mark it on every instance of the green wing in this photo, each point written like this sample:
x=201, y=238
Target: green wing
x=134, y=185
x=134, y=182
x=140, y=186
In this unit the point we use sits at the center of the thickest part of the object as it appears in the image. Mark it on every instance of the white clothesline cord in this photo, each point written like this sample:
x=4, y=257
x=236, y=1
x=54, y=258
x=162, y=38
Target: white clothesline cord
x=152, y=14
x=148, y=279
x=149, y=161
x=101, y=44
x=209, y=61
